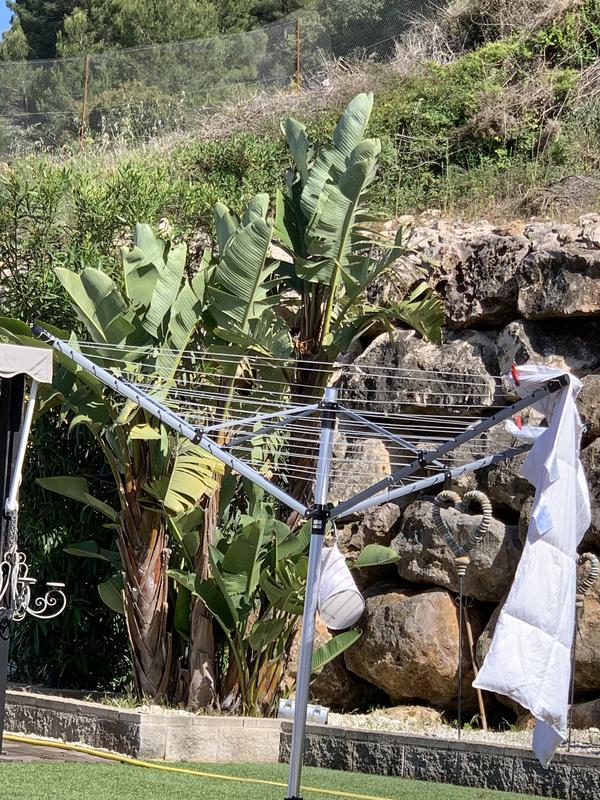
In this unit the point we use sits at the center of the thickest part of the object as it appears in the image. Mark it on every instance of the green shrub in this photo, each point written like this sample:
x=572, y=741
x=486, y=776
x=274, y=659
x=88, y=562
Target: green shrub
x=86, y=647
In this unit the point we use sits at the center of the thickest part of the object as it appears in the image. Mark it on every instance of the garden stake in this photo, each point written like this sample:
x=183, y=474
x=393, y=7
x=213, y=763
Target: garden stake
x=84, y=103
x=462, y=561
x=479, y=693
x=298, y=75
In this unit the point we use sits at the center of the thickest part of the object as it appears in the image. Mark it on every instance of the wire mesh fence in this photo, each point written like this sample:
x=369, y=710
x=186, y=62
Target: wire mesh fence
x=136, y=94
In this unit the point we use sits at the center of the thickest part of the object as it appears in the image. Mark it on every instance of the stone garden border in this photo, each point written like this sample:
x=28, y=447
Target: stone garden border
x=184, y=737
x=146, y=735
x=466, y=763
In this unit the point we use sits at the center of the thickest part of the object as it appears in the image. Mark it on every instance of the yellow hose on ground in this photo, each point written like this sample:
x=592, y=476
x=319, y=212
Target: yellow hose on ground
x=135, y=762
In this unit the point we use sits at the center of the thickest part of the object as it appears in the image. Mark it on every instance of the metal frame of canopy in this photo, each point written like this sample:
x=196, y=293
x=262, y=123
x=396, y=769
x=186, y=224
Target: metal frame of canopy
x=321, y=512
x=15, y=424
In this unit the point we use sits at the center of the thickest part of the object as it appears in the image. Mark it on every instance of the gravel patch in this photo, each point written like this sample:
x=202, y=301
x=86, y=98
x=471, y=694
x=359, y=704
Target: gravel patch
x=583, y=741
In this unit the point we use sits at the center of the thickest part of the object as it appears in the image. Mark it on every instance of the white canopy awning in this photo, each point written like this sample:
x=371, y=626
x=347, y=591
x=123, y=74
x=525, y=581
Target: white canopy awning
x=33, y=361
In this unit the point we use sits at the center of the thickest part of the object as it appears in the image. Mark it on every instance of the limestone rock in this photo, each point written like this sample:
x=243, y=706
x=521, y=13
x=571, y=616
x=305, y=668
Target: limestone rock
x=590, y=458
x=409, y=646
x=412, y=716
x=587, y=671
x=484, y=641
x=561, y=282
x=452, y=375
x=590, y=230
x=488, y=276
x=589, y=405
x=426, y=558
x=525, y=519
x=504, y=484
x=575, y=347
x=483, y=288
x=337, y=688
x=357, y=464
x=586, y=715
x=375, y=527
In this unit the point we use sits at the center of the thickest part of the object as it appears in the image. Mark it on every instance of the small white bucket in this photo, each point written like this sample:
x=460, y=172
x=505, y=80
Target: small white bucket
x=340, y=602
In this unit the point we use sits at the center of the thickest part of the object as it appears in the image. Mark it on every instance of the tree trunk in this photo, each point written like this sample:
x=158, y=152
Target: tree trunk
x=203, y=689
x=145, y=556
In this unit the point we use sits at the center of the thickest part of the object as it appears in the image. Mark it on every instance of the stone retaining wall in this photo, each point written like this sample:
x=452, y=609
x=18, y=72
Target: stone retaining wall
x=162, y=736
x=510, y=769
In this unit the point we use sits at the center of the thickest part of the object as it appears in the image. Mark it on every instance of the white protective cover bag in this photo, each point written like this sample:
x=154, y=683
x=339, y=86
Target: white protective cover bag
x=340, y=603
x=33, y=361
x=529, y=659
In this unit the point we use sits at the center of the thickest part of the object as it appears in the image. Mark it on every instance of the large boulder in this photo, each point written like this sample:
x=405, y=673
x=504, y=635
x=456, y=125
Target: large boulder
x=586, y=715
x=409, y=646
x=419, y=376
x=426, y=558
x=560, y=282
x=337, y=688
x=358, y=463
x=574, y=347
x=334, y=686
x=590, y=458
x=589, y=404
x=488, y=276
x=377, y=526
x=482, y=289
x=587, y=670
x=504, y=484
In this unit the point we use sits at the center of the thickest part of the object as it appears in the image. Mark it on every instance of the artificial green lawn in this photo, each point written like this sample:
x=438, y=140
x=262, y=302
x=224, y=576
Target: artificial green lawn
x=58, y=781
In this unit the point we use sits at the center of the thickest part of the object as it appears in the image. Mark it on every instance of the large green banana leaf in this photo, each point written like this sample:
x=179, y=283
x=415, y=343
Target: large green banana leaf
x=333, y=648
x=190, y=478
x=339, y=222
x=240, y=292
x=331, y=162
x=98, y=304
x=77, y=489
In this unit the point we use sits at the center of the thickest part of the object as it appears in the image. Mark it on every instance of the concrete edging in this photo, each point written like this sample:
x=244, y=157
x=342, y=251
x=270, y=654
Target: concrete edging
x=509, y=769
x=168, y=737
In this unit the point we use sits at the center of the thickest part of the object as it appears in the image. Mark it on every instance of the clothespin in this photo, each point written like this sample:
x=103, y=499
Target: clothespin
x=514, y=371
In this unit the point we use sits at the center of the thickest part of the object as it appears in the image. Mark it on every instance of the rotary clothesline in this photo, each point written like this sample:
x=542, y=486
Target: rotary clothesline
x=196, y=396
x=337, y=405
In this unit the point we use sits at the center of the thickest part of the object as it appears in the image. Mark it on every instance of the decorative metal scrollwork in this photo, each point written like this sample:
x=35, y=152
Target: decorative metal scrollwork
x=16, y=585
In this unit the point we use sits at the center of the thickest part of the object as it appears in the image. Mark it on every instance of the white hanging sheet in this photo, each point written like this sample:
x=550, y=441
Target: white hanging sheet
x=530, y=655
x=33, y=361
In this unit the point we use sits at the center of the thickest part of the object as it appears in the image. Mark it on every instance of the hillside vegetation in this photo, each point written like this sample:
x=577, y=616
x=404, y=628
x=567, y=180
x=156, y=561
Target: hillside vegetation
x=471, y=124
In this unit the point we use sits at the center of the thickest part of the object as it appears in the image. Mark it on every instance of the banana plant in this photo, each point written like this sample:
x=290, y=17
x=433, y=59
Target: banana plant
x=324, y=224
x=155, y=312
x=310, y=301
x=255, y=593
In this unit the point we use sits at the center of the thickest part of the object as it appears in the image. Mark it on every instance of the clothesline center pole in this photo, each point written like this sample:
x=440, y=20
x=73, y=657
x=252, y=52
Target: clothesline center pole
x=319, y=518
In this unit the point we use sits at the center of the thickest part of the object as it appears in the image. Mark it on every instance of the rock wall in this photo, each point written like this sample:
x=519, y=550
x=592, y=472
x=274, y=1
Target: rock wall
x=526, y=293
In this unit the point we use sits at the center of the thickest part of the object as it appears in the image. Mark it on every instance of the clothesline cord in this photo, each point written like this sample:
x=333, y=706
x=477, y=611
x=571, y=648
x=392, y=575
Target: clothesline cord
x=291, y=362
x=475, y=380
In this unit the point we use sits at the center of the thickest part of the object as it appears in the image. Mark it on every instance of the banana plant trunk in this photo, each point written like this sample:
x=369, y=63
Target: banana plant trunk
x=145, y=556
x=203, y=687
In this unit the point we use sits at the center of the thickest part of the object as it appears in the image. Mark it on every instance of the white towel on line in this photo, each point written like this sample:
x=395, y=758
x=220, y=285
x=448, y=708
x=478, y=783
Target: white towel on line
x=529, y=659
